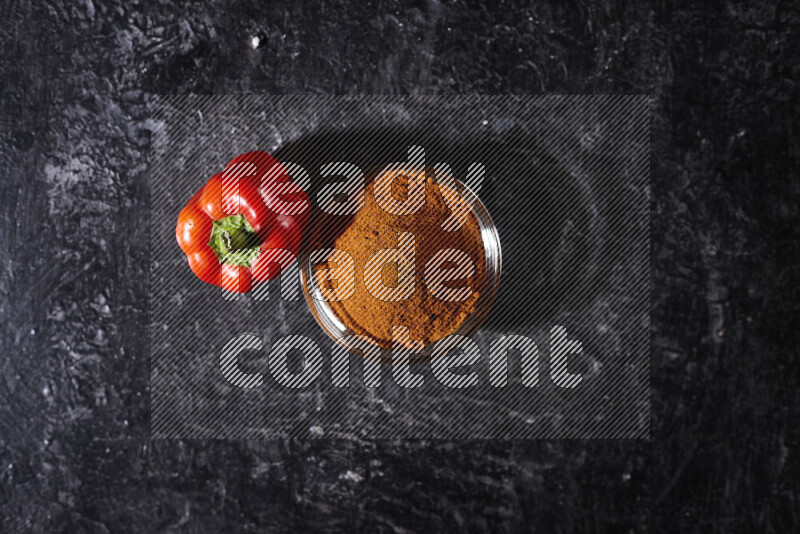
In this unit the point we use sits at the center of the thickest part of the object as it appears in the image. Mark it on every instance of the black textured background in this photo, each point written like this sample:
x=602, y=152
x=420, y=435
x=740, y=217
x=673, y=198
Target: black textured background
x=75, y=81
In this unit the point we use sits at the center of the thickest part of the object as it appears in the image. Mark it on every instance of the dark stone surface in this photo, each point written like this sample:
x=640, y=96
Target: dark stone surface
x=75, y=80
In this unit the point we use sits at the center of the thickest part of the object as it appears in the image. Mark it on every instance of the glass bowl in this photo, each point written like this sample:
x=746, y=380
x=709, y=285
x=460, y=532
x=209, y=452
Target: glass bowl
x=337, y=331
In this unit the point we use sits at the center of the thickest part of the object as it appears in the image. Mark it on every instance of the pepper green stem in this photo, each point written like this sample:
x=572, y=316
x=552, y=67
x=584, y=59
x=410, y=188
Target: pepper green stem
x=234, y=241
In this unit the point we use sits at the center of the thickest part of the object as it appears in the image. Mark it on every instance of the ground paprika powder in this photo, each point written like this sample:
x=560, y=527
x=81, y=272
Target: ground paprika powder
x=372, y=229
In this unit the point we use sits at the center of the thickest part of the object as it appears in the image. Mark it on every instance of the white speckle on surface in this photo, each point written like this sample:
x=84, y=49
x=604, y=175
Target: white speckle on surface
x=316, y=430
x=352, y=476
x=255, y=41
x=484, y=122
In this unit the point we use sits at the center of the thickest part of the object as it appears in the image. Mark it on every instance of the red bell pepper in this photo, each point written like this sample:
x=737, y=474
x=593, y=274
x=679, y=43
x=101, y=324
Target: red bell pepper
x=227, y=229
